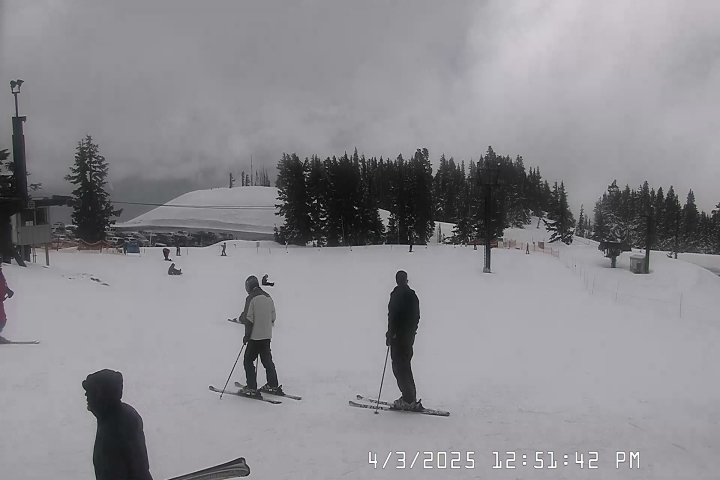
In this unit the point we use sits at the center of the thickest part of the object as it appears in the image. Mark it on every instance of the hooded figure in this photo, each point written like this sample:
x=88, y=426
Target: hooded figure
x=120, y=452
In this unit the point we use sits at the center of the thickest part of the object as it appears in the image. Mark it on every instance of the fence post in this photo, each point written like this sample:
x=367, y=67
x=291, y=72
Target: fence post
x=680, y=304
x=617, y=290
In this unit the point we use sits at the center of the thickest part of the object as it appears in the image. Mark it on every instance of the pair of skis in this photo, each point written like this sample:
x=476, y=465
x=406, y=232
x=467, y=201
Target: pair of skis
x=5, y=341
x=260, y=397
x=232, y=469
x=369, y=403
x=373, y=404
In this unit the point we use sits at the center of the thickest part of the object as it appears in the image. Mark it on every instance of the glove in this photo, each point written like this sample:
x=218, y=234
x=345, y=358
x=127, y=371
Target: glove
x=245, y=339
x=388, y=338
x=10, y=293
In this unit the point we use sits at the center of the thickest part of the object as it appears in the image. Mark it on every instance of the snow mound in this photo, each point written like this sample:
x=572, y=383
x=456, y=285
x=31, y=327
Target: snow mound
x=244, y=209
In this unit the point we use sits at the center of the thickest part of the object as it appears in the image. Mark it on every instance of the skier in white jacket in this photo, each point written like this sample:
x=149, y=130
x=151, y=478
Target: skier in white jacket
x=259, y=320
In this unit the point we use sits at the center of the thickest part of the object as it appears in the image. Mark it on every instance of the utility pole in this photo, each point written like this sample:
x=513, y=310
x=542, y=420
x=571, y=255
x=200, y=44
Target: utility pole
x=251, y=171
x=489, y=176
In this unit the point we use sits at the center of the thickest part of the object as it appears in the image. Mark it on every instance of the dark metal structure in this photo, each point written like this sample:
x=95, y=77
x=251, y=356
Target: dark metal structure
x=19, y=202
x=489, y=177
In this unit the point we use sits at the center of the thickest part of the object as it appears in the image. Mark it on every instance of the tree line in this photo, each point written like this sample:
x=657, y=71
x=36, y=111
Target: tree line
x=624, y=215
x=336, y=201
x=262, y=179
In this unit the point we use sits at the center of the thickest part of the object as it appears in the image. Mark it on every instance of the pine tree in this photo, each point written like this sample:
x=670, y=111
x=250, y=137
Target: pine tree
x=691, y=223
x=242, y=179
x=560, y=219
x=316, y=184
x=94, y=211
x=232, y=180
x=420, y=206
x=716, y=225
x=580, y=231
x=659, y=219
x=292, y=192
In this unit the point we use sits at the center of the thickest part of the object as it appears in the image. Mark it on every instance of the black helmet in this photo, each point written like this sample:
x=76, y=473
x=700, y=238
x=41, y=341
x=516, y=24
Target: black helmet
x=251, y=283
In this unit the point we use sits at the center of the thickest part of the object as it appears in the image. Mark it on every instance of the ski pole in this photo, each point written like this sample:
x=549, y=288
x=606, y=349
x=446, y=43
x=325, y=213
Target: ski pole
x=377, y=407
x=231, y=372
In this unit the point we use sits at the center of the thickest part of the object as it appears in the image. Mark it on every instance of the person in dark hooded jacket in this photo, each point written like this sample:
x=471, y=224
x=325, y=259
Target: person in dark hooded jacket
x=174, y=271
x=120, y=452
x=403, y=320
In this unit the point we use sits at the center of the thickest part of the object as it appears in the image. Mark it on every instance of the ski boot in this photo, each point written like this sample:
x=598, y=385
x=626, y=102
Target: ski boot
x=250, y=392
x=401, y=404
x=273, y=390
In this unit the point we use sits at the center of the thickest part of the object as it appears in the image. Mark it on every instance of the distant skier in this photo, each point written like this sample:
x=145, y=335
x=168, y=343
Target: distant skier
x=177, y=249
x=120, y=452
x=223, y=254
x=5, y=293
x=265, y=281
x=166, y=252
x=174, y=271
x=403, y=319
x=259, y=320
x=527, y=249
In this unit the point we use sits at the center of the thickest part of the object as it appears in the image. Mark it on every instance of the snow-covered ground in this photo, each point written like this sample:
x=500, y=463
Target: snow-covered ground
x=243, y=209
x=528, y=359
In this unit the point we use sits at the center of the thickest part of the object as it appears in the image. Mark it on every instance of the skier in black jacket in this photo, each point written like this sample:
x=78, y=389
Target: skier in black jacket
x=120, y=452
x=403, y=319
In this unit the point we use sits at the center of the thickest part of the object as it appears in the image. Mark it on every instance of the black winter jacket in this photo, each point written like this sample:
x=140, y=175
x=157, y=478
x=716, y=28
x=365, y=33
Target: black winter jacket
x=403, y=312
x=120, y=452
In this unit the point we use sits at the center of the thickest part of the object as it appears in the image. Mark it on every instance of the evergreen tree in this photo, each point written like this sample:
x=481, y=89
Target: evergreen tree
x=691, y=224
x=580, y=231
x=93, y=212
x=317, y=193
x=242, y=179
x=420, y=206
x=659, y=218
x=232, y=180
x=716, y=228
x=292, y=192
x=560, y=219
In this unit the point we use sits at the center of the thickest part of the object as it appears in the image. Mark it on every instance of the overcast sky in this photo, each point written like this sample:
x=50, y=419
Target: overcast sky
x=183, y=90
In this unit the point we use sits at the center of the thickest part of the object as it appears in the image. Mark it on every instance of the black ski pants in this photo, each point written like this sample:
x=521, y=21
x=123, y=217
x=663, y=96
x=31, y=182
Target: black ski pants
x=401, y=353
x=254, y=349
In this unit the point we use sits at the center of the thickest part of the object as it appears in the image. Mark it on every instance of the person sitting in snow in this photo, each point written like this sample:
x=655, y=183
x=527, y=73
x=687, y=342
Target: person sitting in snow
x=120, y=452
x=174, y=271
x=265, y=281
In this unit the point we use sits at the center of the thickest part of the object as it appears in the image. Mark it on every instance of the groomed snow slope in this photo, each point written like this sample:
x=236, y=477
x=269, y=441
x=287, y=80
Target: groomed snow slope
x=218, y=211
x=526, y=359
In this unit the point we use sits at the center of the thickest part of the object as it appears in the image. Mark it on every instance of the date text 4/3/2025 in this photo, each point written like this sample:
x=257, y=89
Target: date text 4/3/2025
x=550, y=460
x=422, y=460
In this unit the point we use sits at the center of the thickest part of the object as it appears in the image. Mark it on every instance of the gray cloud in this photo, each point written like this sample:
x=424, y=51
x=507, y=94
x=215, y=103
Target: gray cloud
x=588, y=91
